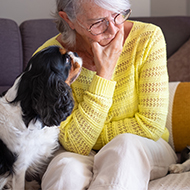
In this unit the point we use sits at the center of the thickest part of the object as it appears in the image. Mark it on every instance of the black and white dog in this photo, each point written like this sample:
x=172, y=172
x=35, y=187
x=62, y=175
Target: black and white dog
x=30, y=113
x=184, y=164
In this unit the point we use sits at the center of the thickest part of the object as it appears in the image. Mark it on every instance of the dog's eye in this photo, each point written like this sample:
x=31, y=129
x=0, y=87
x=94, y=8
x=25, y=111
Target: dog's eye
x=67, y=60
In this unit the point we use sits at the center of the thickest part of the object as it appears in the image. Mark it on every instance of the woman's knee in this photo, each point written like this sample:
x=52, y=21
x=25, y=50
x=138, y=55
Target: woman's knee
x=122, y=146
x=126, y=140
x=72, y=166
x=122, y=158
x=72, y=162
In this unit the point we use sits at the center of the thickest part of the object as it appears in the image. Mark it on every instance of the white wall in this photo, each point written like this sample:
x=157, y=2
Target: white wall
x=20, y=10
x=169, y=7
x=140, y=8
x=188, y=7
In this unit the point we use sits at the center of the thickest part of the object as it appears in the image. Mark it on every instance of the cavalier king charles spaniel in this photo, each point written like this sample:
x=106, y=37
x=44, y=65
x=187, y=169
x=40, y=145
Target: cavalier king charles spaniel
x=184, y=162
x=31, y=112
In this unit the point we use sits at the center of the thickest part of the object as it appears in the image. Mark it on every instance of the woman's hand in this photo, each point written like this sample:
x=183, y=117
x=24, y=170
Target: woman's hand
x=105, y=57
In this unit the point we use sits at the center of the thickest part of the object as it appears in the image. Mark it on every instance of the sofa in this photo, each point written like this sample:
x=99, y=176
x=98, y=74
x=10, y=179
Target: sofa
x=17, y=44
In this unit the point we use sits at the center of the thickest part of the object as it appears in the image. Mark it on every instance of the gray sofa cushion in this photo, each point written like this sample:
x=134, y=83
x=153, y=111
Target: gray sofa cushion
x=179, y=64
x=10, y=53
x=34, y=34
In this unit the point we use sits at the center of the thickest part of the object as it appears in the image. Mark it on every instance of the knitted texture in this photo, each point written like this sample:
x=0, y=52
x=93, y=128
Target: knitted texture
x=134, y=101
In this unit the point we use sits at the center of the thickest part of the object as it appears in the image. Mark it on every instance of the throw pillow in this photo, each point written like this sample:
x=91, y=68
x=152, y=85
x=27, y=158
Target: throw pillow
x=179, y=64
x=178, y=121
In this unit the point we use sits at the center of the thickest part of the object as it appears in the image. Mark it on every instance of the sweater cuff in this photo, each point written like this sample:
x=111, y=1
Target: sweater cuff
x=101, y=86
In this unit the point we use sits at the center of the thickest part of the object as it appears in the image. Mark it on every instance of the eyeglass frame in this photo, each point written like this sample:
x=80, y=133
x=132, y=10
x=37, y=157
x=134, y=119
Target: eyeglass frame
x=107, y=22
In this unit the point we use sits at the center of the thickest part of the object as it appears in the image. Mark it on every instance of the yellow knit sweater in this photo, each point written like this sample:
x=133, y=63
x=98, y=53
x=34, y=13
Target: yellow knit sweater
x=134, y=101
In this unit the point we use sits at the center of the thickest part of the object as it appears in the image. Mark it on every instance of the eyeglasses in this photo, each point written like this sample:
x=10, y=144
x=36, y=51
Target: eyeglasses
x=102, y=25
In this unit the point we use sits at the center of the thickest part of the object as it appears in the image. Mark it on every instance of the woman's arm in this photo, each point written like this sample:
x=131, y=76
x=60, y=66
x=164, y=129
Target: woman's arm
x=81, y=130
x=152, y=89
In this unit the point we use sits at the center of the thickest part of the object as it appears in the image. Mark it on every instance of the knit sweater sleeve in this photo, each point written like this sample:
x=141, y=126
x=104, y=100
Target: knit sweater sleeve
x=81, y=130
x=151, y=84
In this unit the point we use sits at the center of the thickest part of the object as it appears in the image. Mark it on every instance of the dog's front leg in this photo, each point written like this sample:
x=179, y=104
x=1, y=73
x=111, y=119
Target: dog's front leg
x=186, y=165
x=179, y=168
x=19, y=180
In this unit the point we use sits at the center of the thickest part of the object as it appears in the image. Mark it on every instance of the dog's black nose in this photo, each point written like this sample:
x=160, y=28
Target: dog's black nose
x=76, y=54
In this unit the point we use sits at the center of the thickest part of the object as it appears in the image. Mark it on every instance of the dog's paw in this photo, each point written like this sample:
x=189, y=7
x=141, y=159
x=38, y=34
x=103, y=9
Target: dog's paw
x=176, y=168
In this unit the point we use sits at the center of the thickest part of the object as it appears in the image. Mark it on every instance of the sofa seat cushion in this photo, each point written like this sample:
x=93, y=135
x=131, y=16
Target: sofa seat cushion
x=171, y=182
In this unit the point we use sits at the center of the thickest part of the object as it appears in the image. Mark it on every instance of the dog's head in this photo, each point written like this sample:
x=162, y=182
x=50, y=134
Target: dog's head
x=44, y=88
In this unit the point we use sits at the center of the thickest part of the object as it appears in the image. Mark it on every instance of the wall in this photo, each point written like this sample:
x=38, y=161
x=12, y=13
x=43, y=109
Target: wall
x=140, y=8
x=188, y=7
x=170, y=7
x=20, y=10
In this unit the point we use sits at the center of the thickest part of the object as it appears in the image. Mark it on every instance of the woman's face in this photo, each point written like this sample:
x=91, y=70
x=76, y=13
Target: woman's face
x=93, y=14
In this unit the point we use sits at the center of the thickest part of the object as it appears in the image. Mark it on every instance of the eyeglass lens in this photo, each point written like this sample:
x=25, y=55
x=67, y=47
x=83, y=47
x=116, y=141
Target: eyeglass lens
x=101, y=27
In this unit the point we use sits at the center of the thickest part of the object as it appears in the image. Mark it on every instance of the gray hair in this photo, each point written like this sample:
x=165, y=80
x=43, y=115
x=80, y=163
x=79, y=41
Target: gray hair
x=73, y=7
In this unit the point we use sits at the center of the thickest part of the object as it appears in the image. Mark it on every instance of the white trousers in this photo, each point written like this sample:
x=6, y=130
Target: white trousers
x=128, y=162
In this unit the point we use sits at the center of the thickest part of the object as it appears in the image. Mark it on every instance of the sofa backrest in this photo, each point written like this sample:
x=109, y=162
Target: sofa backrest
x=17, y=46
x=34, y=33
x=10, y=53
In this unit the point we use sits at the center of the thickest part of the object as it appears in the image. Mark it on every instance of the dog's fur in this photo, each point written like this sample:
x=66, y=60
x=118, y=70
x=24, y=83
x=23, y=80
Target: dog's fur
x=30, y=113
x=184, y=164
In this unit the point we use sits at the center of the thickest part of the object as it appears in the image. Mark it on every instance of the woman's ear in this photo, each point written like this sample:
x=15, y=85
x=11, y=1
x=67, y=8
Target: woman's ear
x=64, y=16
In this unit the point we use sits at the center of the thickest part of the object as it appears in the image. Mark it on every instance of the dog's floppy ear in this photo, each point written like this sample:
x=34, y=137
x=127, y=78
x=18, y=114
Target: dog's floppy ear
x=52, y=99
x=57, y=100
x=42, y=91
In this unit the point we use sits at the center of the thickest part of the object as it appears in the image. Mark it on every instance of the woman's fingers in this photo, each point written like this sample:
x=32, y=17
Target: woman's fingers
x=105, y=57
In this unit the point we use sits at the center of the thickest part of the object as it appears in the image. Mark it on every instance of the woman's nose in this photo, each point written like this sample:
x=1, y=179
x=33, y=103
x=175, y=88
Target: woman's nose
x=112, y=28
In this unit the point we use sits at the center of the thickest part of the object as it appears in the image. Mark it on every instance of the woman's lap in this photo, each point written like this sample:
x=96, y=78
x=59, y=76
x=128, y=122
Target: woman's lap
x=128, y=161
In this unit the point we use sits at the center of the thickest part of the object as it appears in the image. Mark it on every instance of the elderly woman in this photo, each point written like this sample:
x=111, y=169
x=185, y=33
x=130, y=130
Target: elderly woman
x=121, y=100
